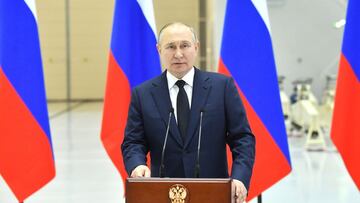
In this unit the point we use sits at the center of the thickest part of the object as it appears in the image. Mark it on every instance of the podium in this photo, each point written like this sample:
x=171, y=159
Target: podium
x=178, y=190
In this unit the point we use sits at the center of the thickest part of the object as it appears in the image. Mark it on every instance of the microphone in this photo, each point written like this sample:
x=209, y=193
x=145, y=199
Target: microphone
x=197, y=165
x=161, y=170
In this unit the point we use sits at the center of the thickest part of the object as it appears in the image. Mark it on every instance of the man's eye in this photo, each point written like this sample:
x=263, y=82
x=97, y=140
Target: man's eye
x=185, y=45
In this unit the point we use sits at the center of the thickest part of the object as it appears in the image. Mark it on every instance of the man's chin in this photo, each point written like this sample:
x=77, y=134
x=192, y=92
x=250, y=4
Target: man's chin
x=180, y=71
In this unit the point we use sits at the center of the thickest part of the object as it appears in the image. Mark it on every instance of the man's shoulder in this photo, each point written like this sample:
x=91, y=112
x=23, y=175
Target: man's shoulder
x=146, y=85
x=215, y=76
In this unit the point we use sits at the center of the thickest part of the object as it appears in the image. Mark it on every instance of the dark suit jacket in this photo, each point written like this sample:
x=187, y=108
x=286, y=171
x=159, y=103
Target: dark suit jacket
x=224, y=122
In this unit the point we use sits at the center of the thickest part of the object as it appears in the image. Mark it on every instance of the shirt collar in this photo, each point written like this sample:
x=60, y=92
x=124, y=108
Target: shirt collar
x=188, y=78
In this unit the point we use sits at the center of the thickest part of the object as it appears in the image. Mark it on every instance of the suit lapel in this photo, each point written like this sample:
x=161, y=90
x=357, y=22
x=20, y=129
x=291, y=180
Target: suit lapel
x=201, y=89
x=160, y=94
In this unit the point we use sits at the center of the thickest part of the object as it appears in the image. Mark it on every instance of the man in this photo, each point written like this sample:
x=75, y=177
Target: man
x=189, y=92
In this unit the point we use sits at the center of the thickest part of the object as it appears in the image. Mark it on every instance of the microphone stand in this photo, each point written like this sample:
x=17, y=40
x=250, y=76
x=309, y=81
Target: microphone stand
x=161, y=170
x=197, y=166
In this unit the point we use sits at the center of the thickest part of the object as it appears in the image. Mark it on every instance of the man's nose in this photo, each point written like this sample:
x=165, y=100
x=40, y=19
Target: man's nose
x=178, y=53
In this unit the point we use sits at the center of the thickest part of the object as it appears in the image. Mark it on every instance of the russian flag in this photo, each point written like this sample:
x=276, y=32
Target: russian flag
x=133, y=59
x=247, y=55
x=345, y=130
x=26, y=156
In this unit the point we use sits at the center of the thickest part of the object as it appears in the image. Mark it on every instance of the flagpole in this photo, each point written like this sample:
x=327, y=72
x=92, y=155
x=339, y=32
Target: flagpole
x=259, y=198
x=68, y=51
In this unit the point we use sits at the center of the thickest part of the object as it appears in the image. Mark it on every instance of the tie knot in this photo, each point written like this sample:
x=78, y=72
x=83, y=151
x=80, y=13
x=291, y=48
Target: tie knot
x=180, y=83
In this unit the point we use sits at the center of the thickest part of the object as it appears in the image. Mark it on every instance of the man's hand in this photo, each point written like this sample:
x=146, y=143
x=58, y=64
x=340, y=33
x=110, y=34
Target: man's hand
x=238, y=191
x=141, y=171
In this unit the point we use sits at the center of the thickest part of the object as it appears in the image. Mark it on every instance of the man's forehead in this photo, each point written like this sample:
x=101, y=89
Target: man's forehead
x=176, y=37
x=176, y=31
x=176, y=27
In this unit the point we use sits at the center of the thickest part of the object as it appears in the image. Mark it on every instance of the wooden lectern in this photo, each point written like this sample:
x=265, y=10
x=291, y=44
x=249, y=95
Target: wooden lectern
x=178, y=190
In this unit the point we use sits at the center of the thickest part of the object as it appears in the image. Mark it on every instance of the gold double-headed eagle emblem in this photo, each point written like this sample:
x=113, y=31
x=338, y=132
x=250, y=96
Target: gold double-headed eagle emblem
x=178, y=193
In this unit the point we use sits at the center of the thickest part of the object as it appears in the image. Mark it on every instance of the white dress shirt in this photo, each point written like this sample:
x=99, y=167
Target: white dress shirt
x=174, y=89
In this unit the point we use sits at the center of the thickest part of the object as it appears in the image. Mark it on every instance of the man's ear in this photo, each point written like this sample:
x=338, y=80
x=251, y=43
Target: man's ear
x=197, y=45
x=158, y=47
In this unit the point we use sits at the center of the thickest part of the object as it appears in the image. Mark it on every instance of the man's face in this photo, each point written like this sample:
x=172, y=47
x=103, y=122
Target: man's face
x=177, y=49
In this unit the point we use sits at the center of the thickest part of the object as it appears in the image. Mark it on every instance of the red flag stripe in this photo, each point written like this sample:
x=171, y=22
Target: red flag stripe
x=266, y=151
x=24, y=167
x=117, y=100
x=345, y=131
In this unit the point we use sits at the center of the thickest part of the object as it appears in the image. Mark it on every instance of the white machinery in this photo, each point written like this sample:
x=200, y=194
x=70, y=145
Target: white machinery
x=305, y=115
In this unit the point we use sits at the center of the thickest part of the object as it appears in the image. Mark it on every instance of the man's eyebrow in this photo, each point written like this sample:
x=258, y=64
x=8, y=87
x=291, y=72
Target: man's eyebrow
x=183, y=41
x=169, y=44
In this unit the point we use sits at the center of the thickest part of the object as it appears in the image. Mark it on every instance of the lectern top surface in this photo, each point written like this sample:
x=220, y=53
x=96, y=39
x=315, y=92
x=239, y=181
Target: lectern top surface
x=207, y=180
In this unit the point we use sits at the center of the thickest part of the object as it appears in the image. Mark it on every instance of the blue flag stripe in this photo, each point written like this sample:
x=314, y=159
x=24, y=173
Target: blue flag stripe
x=247, y=53
x=351, y=42
x=133, y=43
x=20, y=58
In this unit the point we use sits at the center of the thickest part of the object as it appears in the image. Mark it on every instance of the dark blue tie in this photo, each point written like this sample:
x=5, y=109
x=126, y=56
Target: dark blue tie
x=182, y=108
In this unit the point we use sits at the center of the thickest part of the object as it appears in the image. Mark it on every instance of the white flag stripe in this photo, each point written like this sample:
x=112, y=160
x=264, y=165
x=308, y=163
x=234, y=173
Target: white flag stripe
x=148, y=11
x=261, y=7
x=32, y=7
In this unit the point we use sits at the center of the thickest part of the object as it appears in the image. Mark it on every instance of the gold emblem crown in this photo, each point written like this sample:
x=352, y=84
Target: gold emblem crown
x=177, y=193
